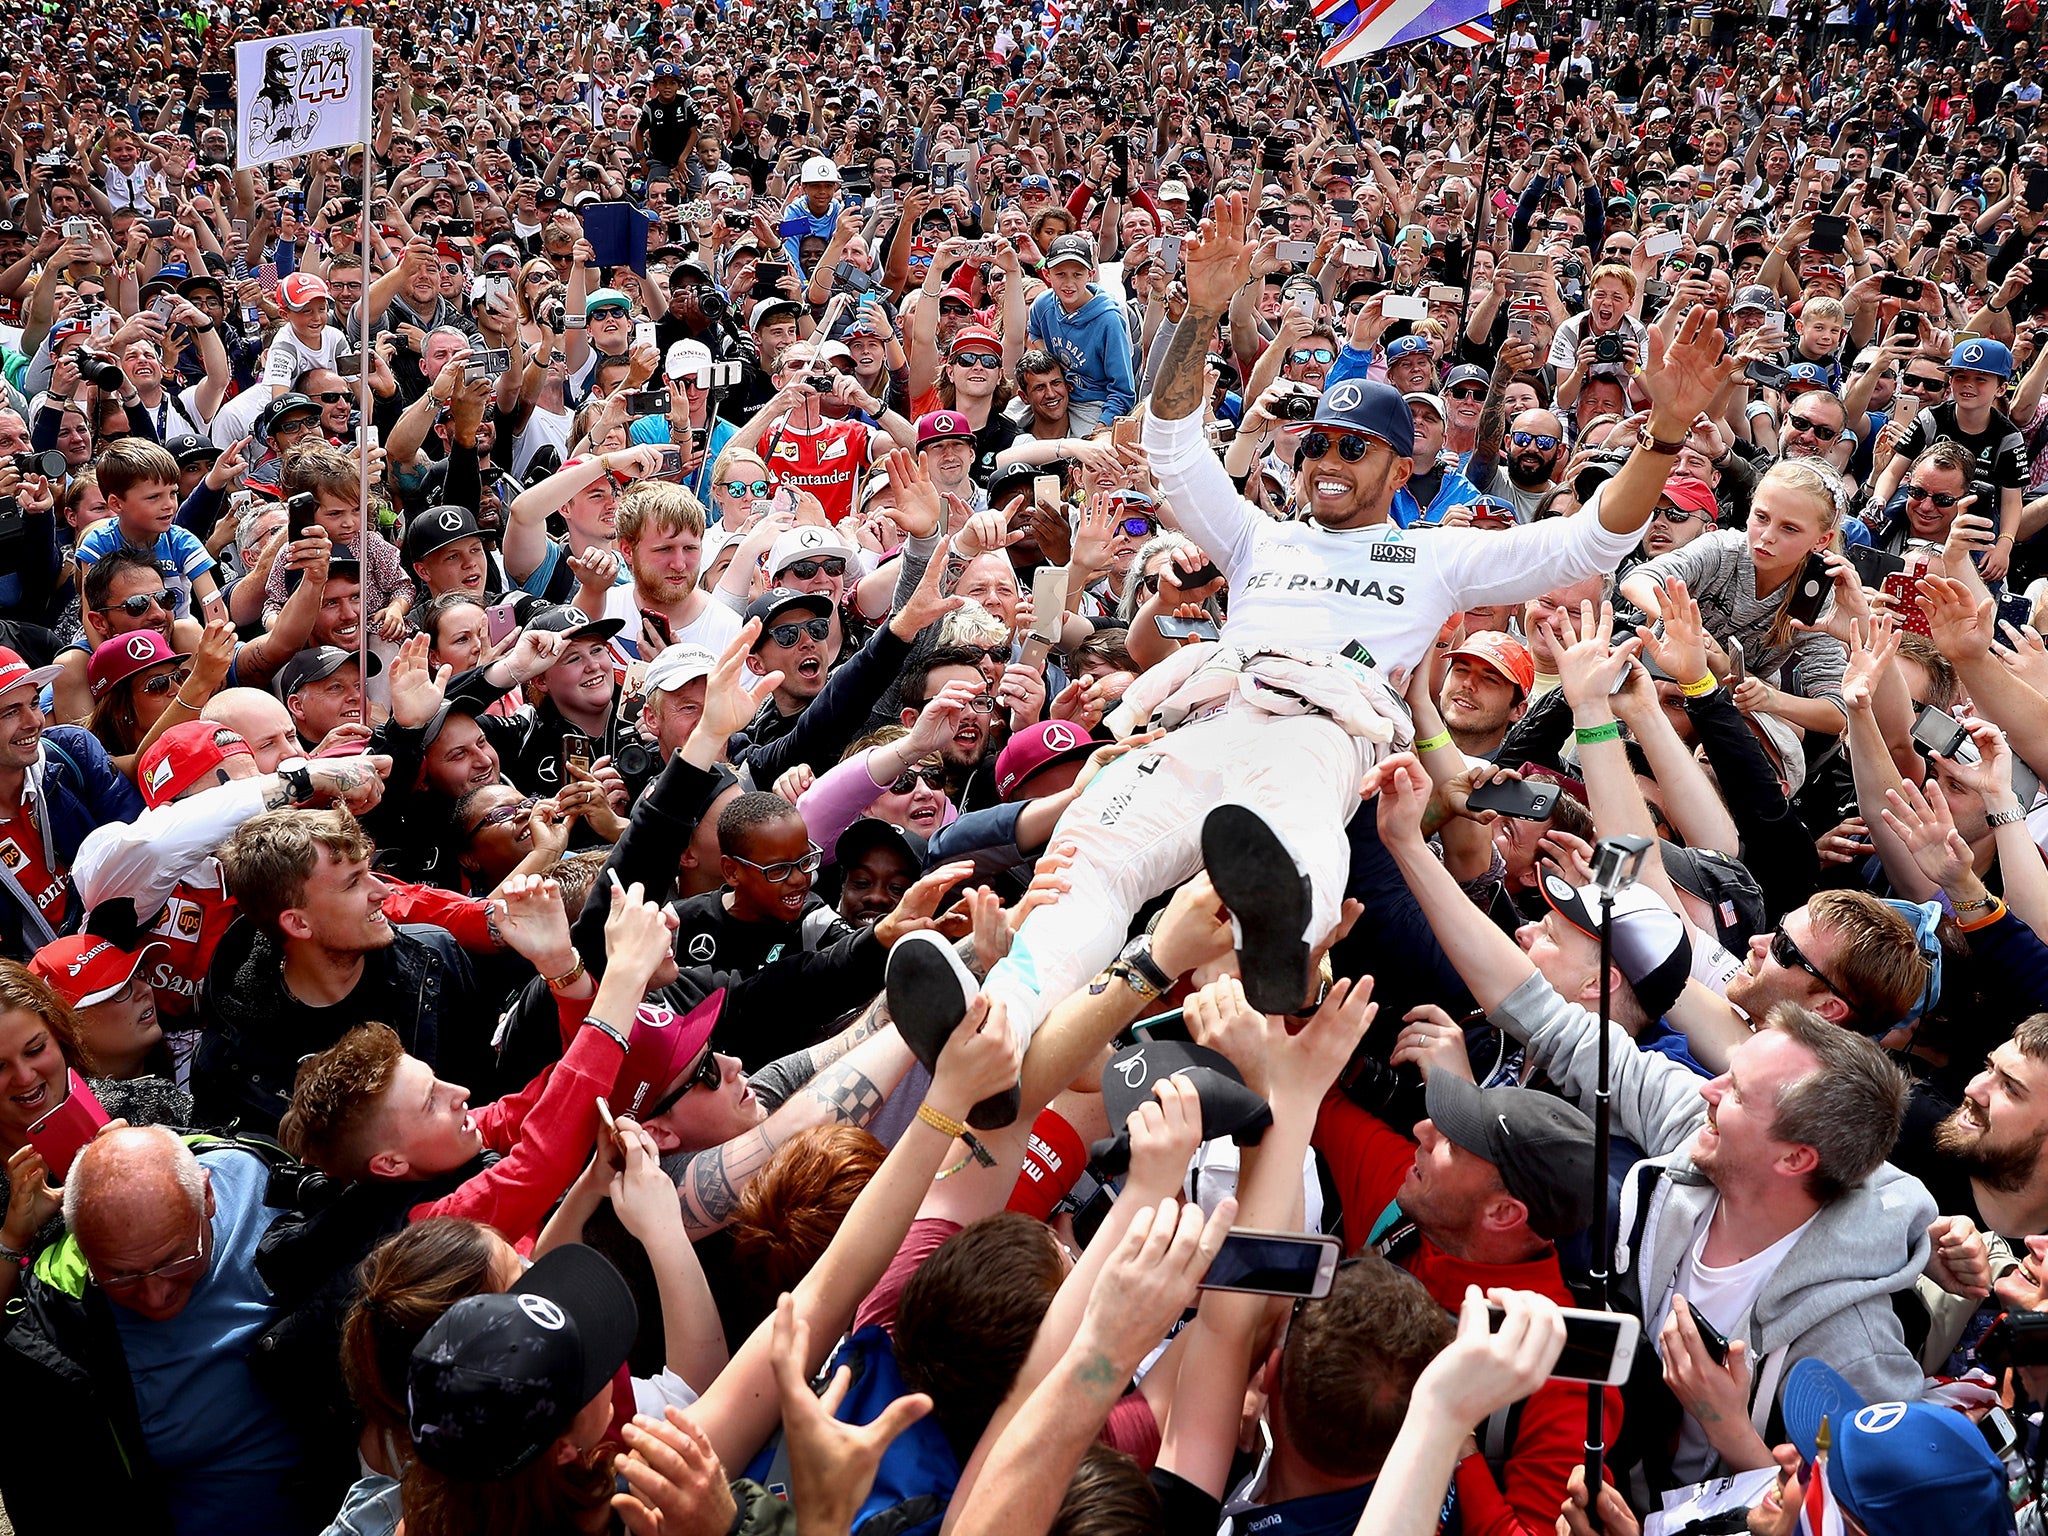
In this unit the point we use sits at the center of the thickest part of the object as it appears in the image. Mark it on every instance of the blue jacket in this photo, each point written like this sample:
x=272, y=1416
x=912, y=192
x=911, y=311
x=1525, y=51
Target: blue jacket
x=1093, y=345
x=80, y=790
x=1454, y=490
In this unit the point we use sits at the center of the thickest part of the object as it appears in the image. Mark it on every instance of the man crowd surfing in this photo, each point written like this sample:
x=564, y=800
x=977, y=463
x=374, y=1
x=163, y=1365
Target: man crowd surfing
x=884, y=768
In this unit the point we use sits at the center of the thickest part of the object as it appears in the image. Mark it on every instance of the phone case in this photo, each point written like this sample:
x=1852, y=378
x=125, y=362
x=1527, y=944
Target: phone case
x=65, y=1131
x=1910, y=618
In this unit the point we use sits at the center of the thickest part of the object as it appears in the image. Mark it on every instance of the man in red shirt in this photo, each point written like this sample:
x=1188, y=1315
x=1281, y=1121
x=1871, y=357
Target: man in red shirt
x=1493, y=1179
x=804, y=435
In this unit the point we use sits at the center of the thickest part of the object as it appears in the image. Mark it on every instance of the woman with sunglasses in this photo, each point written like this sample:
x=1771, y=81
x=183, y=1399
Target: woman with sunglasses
x=892, y=774
x=1746, y=581
x=141, y=688
x=1111, y=529
x=499, y=833
x=536, y=284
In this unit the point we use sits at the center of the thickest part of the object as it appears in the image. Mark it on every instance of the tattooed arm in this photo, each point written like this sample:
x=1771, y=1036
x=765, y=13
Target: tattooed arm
x=848, y=1092
x=1493, y=416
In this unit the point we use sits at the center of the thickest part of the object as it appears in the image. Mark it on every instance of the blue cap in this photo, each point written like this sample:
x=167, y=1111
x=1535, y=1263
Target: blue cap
x=1035, y=183
x=1897, y=1468
x=1805, y=376
x=666, y=71
x=1377, y=410
x=1980, y=356
x=1406, y=346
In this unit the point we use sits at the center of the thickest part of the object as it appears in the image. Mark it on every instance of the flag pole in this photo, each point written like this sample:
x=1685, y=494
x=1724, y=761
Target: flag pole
x=364, y=426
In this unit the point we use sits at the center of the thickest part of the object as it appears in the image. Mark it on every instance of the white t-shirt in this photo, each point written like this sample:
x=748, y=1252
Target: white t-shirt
x=543, y=429
x=289, y=357
x=713, y=628
x=1724, y=1296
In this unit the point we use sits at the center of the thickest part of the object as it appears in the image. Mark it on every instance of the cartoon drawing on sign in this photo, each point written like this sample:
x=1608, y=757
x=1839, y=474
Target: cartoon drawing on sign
x=277, y=123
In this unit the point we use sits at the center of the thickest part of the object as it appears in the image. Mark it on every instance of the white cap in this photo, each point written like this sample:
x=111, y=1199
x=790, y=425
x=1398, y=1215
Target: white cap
x=809, y=542
x=719, y=179
x=677, y=665
x=1171, y=192
x=686, y=359
x=818, y=168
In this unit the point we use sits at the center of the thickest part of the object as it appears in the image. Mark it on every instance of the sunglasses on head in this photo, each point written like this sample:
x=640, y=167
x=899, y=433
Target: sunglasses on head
x=1541, y=440
x=1351, y=446
x=789, y=634
x=804, y=570
x=135, y=607
x=932, y=774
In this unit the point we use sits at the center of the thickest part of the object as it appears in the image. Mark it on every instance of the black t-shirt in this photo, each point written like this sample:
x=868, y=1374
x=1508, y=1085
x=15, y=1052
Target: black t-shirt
x=708, y=934
x=670, y=126
x=2000, y=449
x=990, y=441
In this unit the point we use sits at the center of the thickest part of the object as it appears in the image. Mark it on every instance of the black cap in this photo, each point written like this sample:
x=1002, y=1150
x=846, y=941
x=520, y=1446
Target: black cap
x=775, y=602
x=201, y=280
x=873, y=832
x=313, y=664
x=1542, y=1146
x=1070, y=248
x=436, y=528
x=283, y=406
x=572, y=623
x=1650, y=943
x=1229, y=1108
x=190, y=448
x=1724, y=884
x=499, y=1378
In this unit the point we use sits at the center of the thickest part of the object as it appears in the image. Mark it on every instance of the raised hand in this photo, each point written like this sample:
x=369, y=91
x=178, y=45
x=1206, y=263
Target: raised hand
x=678, y=1487
x=1920, y=820
x=1433, y=1041
x=534, y=923
x=417, y=689
x=1166, y=1132
x=928, y=601
x=1482, y=1370
x=1587, y=664
x=1688, y=376
x=729, y=701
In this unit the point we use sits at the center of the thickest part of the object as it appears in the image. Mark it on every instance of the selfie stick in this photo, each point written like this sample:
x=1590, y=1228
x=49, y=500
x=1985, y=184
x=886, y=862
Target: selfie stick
x=363, y=428
x=1615, y=862
x=1479, y=212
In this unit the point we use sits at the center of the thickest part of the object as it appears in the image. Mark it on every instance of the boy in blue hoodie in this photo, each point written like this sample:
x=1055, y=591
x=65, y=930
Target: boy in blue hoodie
x=1084, y=328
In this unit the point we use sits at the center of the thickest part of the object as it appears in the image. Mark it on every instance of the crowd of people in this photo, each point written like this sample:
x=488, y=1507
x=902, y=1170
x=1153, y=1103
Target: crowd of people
x=886, y=768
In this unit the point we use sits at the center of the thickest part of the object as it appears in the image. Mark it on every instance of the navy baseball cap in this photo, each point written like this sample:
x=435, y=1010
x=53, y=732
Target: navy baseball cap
x=1896, y=1468
x=1805, y=376
x=1406, y=346
x=1377, y=410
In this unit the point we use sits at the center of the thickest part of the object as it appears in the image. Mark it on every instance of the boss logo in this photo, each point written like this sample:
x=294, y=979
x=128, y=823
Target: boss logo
x=1392, y=554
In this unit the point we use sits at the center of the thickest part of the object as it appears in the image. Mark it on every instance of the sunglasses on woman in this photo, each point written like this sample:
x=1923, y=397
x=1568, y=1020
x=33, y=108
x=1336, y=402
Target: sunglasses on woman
x=804, y=570
x=933, y=775
x=165, y=682
x=1543, y=440
x=789, y=634
x=758, y=489
x=1136, y=527
x=504, y=813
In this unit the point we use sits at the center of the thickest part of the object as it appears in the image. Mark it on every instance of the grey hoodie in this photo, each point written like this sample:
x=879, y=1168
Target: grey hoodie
x=1831, y=1297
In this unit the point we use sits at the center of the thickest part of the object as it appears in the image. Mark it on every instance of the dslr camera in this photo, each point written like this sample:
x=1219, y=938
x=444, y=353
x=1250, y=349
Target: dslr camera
x=97, y=369
x=1607, y=349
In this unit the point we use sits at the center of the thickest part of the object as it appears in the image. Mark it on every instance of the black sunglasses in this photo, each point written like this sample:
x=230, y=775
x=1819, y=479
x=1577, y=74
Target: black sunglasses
x=135, y=607
x=706, y=1074
x=804, y=570
x=1789, y=955
x=1351, y=446
x=933, y=775
x=1820, y=433
x=1921, y=493
x=789, y=634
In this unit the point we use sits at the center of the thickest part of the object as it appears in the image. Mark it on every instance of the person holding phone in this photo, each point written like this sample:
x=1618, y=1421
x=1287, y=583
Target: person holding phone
x=1748, y=582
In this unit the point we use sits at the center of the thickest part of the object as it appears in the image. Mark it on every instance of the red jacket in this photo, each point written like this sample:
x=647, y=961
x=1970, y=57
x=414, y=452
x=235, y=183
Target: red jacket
x=545, y=1131
x=1368, y=1161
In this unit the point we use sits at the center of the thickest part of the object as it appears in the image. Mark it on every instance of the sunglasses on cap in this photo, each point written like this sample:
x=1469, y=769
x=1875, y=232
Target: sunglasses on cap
x=804, y=570
x=933, y=775
x=979, y=359
x=1311, y=355
x=1542, y=440
x=706, y=1074
x=1351, y=446
x=758, y=489
x=789, y=634
x=135, y=607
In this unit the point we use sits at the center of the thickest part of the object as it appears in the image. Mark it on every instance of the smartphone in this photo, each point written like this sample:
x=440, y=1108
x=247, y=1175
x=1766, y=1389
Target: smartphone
x=1830, y=231
x=1598, y=1346
x=77, y=229
x=1938, y=733
x=1715, y=1341
x=1169, y=253
x=1828, y=167
x=497, y=290
x=1523, y=799
x=1300, y=1265
x=1899, y=586
x=1663, y=242
x=1126, y=432
x=1771, y=329
x=1045, y=489
x=348, y=364
x=1173, y=628
x=490, y=363
x=649, y=402
x=1894, y=286
x=162, y=309
x=1201, y=575
x=298, y=514
x=577, y=750
x=2037, y=187
x=1443, y=295
x=1738, y=665
x=433, y=170
x=1872, y=565
x=1296, y=252
x=1404, y=306
x=1809, y=590
x=66, y=1130
x=1764, y=374
x=500, y=620
x=671, y=460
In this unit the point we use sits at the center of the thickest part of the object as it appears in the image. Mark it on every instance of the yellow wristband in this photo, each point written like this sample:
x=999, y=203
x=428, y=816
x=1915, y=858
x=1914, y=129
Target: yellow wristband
x=1434, y=743
x=942, y=1123
x=1702, y=688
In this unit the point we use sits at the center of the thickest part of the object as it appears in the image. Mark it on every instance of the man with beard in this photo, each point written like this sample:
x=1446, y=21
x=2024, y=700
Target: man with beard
x=1436, y=486
x=1984, y=1159
x=1485, y=691
x=1535, y=447
x=972, y=745
x=661, y=540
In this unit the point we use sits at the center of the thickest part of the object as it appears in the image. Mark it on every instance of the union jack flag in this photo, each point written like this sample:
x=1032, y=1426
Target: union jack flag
x=1819, y=1514
x=1476, y=33
x=1959, y=13
x=1049, y=17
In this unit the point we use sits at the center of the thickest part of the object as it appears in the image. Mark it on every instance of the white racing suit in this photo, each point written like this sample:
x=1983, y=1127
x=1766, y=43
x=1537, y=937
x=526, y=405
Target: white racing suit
x=1279, y=719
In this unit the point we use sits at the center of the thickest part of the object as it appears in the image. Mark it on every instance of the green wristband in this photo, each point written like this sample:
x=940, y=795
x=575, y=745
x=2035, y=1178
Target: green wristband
x=1593, y=735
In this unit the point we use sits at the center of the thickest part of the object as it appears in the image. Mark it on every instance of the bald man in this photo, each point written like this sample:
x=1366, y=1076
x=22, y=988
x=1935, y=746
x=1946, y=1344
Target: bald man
x=261, y=720
x=132, y=1346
